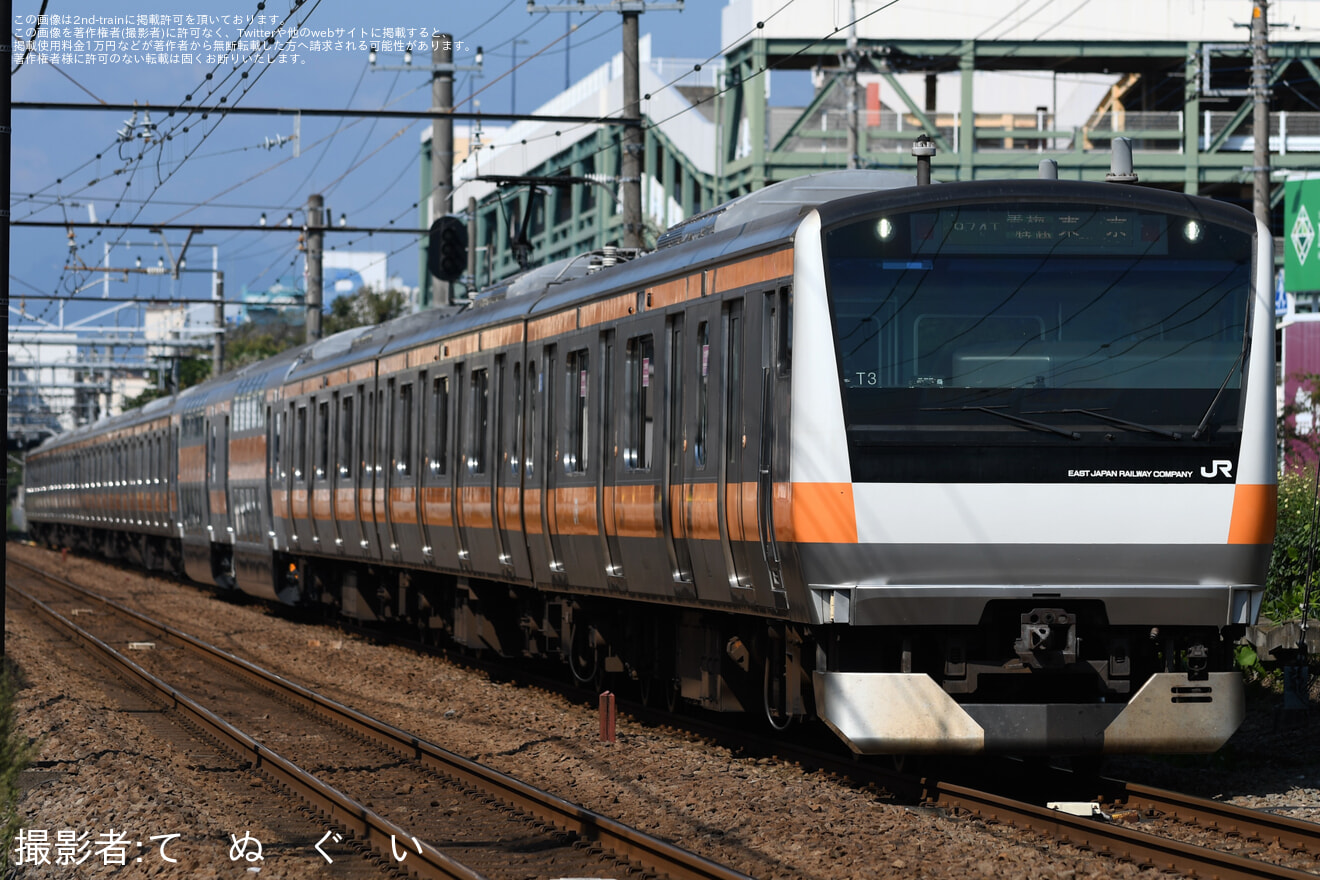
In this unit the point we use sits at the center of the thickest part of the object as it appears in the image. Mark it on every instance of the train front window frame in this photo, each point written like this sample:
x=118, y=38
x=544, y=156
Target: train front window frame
x=1050, y=308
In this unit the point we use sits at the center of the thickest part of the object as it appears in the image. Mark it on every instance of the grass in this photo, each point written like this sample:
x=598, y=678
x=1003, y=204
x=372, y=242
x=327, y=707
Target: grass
x=16, y=750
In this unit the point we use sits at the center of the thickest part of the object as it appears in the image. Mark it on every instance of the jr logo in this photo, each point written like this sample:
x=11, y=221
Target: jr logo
x=1216, y=467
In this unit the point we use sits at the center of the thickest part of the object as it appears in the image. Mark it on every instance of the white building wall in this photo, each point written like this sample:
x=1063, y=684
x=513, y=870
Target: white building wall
x=525, y=145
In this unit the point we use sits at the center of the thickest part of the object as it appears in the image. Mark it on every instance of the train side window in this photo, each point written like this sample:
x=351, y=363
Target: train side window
x=578, y=374
x=516, y=441
x=639, y=370
x=529, y=458
x=387, y=447
x=733, y=389
x=322, y=440
x=405, y=444
x=300, y=444
x=784, y=317
x=344, y=457
x=277, y=433
x=703, y=393
x=480, y=409
x=440, y=428
x=366, y=434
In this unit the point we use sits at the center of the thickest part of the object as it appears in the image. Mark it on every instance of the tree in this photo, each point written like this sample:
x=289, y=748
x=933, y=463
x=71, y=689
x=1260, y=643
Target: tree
x=252, y=342
x=192, y=370
x=366, y=307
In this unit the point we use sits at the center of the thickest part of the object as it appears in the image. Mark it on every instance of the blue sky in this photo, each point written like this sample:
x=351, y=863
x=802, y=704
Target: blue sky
x=366, y=169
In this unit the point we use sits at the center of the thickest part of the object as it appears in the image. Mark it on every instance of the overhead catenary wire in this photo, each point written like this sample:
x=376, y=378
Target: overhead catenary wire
x=223, y=116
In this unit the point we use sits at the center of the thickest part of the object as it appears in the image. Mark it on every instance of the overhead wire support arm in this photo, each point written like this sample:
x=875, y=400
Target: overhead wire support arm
x=633, y=144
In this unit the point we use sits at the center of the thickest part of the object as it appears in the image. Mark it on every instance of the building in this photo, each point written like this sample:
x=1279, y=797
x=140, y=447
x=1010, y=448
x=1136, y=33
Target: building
x=999, y=86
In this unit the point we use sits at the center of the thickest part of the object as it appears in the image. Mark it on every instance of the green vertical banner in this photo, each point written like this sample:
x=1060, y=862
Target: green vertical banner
x=1301, y=251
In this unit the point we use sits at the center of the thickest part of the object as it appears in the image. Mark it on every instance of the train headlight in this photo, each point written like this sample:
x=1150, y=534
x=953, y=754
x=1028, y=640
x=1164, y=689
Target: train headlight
x=1192, y=231
x=884, y=229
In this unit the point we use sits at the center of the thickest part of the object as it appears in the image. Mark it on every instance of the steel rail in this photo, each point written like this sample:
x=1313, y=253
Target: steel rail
x=1297, y=835
x=375, y=830
x=651, y=852
x=1139, y=846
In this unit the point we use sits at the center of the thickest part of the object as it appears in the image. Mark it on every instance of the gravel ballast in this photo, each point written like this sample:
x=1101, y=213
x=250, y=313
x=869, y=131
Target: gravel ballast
x=104, y=766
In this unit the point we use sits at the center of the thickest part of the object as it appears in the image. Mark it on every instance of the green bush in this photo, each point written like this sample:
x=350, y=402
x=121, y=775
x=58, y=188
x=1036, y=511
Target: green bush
x=1284, y=587
x=16, y=750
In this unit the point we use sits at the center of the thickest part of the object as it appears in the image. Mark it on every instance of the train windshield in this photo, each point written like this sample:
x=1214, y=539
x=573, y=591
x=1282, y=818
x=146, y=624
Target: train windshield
x=1053, y=322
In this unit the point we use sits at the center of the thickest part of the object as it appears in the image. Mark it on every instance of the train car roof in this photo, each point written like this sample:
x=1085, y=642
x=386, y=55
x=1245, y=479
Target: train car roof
x=752, y=222
x=998, y=191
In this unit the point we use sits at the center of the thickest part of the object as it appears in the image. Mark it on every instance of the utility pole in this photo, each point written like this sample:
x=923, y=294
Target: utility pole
x=633, y=142
x=442, y=141
x=850, y=73
x=472, y=246
x=315, y=237
x=1260, y=90
x=218, y=347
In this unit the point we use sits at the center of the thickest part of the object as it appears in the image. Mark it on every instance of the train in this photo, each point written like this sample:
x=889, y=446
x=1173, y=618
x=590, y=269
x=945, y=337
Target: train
x=981, y=467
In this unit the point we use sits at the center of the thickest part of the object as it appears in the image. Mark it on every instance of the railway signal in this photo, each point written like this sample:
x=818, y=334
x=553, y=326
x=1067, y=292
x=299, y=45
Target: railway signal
x=447, y=247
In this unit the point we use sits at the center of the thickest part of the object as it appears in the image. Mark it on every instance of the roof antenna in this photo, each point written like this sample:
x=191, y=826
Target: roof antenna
x=1120, y=162
x=923, y=148
x=1048, y=169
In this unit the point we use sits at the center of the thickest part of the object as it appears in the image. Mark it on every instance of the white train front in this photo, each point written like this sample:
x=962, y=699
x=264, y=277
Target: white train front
x=977, y=467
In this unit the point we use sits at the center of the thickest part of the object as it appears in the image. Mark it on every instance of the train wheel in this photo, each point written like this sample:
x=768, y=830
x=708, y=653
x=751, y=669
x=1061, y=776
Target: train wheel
x=584, y=658
x=766, y=703
x=672, y=690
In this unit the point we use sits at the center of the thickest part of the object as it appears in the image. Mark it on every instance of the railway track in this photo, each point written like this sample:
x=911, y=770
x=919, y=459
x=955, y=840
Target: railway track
x=1156, y=828
x=1151, y=827
x=452, y=817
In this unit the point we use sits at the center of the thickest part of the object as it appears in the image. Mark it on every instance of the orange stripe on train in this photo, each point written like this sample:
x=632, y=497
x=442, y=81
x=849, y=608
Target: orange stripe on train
x=823, y=513
x=1254, y=509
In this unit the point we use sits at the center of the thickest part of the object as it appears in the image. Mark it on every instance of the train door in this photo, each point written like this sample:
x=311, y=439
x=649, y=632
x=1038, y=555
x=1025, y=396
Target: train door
x=774, y=367
x=368, y=432
x=347, y=532
x=634, y=521
x=675, y=442
x=437, y=474
x=509, y=464
x=322, y=488
x=476, y=477
x=459, y=463
x=403, y=471
x=385, y=463
x=274, y=490
x=300, y=476
x=575, y=509
x=606, y=455
x=737, y=496
x=547, y=559
x=703, y=426
x=217, y=477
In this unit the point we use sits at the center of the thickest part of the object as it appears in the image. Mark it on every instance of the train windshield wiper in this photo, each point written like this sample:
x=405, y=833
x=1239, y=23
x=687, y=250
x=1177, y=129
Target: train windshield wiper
x=1205, y=419
x=1113, y=420
x=1026, y=423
